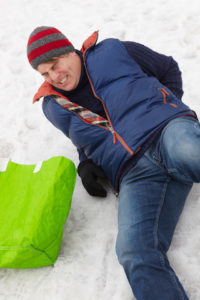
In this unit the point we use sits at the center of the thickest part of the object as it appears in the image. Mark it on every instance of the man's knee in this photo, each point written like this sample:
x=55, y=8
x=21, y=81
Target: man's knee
x=134, y=248
x=181, y=149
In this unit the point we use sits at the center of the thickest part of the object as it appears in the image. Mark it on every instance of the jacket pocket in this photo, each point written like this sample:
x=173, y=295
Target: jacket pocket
x=165, y=95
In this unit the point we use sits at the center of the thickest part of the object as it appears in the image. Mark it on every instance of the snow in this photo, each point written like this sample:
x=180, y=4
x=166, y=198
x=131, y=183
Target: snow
x=87, y=267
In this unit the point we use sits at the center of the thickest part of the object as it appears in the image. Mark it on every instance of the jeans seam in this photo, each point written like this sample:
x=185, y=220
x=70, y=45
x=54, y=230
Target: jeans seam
x=155, y=234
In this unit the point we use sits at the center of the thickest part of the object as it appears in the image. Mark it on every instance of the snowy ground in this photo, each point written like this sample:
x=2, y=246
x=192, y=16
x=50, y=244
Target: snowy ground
x=87, y=266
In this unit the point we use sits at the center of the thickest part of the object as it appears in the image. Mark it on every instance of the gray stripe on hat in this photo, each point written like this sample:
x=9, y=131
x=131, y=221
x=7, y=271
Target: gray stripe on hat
x=47, y=56
x=45, y=40
x=38, y=29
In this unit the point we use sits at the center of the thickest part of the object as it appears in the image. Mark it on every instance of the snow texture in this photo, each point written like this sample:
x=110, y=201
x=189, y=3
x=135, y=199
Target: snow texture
x=87, y=267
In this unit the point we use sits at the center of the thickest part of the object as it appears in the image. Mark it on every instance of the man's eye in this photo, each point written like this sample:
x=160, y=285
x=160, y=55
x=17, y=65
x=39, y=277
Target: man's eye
x=54, y=66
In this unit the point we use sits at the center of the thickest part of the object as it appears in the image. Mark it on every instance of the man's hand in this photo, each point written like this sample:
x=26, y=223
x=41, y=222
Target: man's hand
x=90, y=173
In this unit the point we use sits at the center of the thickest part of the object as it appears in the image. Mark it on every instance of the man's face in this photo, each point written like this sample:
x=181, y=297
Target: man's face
x=62, y=72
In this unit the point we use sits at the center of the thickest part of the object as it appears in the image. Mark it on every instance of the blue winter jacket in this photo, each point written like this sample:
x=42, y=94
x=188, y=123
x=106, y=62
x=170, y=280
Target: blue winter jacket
x=136, y=106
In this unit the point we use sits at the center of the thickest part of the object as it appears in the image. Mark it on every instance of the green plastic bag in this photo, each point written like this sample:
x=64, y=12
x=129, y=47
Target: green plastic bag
x=34, y=206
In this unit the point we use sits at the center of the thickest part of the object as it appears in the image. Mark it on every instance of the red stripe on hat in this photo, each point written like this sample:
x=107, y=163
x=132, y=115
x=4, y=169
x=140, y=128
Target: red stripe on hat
x=48, y=47
x=42, y=34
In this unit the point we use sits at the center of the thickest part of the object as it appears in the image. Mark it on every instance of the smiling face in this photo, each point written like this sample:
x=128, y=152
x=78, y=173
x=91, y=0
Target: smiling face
x=62, y=72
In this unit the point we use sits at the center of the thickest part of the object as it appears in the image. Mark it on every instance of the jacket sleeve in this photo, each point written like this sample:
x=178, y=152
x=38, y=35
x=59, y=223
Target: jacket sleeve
x=82, y=156
x=57, y=116
x=163, y=67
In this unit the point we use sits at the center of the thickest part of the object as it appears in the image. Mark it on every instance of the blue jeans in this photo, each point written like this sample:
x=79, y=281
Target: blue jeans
x=151, y=199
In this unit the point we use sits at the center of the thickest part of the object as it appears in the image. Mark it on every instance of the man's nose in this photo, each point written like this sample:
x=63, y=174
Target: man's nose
x=53, y=75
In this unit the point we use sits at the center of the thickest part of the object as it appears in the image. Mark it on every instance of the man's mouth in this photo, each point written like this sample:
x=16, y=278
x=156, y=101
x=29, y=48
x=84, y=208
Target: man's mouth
x=63, y=80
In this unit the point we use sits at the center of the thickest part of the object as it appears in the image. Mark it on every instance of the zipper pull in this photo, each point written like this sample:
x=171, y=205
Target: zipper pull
x=165, y=91
x=114, y=138
x=114, y=135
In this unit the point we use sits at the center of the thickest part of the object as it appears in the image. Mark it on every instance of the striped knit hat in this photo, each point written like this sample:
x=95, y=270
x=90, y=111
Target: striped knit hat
x=45, y=43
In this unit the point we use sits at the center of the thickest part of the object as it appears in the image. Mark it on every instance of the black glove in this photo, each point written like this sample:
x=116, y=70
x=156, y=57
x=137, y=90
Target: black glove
x=89, y=173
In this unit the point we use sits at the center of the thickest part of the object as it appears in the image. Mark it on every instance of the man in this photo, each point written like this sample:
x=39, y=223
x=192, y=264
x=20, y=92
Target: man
x=120, y=104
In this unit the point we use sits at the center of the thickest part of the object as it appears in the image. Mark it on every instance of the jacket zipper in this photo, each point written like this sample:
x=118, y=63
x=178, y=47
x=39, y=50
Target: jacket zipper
x=109, y=128
x=114, y=133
